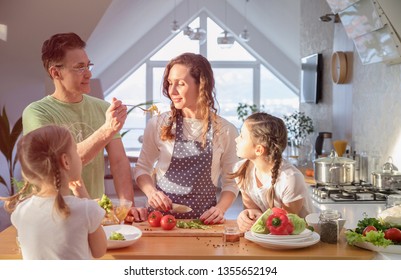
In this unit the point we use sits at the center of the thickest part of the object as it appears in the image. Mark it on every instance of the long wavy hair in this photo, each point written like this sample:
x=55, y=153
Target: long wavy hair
x=270, y=132
x=39, y=153
x=201, y=70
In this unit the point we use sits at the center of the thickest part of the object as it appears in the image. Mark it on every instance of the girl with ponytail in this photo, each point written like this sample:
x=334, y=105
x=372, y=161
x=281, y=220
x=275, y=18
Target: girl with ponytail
x=53, y=215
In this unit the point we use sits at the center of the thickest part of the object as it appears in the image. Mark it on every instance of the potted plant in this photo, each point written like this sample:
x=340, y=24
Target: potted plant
x=299, y=126
x=8, y=140
x=243, y=110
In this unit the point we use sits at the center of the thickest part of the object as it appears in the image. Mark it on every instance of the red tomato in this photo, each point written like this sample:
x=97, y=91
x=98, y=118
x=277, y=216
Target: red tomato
x=168, y=222
x=367, y=229
x=309, y=172
x=154, y=218
x=394, y=234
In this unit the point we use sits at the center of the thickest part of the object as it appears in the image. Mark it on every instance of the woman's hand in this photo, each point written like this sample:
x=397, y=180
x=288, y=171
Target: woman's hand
x=159, y=201
x=247, y=218
x=136, y=215
x=213, y=216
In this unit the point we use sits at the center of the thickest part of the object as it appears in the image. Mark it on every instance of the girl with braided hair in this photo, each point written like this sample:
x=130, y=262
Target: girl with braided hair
x=265, y=179
x=51, y=223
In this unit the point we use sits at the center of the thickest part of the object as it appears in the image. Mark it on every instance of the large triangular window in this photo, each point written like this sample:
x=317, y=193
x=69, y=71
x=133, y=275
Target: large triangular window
x=240, y=78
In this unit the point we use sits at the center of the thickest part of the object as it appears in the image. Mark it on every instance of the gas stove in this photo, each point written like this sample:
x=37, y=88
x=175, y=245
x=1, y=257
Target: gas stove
x=351, y=194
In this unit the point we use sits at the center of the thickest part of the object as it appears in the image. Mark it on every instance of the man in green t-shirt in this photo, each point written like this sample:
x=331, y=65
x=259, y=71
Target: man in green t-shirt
x=94, y=123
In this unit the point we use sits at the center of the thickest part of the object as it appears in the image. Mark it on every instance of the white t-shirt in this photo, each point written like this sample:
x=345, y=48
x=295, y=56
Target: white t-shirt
x=156, y=154
x=44, y=234
x=290, y=186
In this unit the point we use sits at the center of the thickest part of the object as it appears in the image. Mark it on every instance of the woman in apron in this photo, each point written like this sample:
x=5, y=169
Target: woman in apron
x=189, y=151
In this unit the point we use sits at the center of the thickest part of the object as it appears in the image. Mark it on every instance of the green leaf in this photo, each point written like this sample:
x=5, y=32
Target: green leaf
x=4, y=133
x=8, y=140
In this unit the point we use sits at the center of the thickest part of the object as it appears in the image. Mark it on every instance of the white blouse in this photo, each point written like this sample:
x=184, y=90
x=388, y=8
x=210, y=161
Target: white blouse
x=155, y=155
x=290, y=186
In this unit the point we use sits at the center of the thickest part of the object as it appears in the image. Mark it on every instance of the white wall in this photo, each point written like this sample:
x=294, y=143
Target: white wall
x=372, y=120
x=317, y=37
x=22, y=77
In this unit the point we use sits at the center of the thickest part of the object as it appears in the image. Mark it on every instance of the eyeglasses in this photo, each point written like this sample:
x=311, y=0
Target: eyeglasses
x=80, y=70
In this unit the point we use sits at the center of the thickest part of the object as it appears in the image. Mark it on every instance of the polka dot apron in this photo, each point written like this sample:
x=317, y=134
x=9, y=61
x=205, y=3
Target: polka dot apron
x=188, y=177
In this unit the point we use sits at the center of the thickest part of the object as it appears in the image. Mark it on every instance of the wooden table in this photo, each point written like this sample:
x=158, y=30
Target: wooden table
x=206, y=248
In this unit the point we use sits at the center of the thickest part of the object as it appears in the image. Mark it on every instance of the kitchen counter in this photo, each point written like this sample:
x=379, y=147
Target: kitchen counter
x=208, y=248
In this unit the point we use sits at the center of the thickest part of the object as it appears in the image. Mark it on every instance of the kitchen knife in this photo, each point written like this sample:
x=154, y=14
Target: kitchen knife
x=180, y=208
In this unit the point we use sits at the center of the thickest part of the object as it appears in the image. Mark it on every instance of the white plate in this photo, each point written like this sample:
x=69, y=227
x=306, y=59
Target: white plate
x=131, y=234
x=303, y=235
x=284, y=244
x=392, y=249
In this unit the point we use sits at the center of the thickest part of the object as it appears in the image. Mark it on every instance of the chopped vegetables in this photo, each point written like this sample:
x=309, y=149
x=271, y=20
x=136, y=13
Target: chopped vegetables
x=192, y=224
x=376, y=237
x=116, y=236
x=105, y=203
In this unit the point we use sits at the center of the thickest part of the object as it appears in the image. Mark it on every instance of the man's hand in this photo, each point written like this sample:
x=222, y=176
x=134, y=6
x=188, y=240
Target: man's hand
x=136, y=215
x=116, y=115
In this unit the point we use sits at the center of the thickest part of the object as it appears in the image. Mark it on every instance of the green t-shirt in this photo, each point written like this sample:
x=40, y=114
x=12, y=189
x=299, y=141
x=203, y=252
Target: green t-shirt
x=82, y=119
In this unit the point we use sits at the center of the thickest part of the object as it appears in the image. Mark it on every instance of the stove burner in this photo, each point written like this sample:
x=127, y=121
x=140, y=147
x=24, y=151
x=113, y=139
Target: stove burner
x=353, y=193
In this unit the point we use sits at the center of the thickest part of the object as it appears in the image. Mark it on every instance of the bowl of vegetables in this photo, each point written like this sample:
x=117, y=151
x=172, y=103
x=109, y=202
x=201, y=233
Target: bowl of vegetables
x=381, y=234
x=119, y=236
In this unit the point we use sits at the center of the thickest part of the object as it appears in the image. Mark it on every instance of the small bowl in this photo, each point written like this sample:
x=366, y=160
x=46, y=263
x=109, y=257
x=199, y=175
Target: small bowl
x=313, y=221
x=131, y=233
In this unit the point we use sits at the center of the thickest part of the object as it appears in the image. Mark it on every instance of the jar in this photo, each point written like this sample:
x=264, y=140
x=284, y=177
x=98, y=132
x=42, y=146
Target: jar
x=329, y=226
x=231, y=234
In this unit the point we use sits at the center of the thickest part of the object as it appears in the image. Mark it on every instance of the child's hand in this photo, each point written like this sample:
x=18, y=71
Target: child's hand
x=247, y=218
x=78, y=188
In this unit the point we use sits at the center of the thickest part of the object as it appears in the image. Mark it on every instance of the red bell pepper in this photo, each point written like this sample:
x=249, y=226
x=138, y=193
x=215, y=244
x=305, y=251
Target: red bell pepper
x=278, y=223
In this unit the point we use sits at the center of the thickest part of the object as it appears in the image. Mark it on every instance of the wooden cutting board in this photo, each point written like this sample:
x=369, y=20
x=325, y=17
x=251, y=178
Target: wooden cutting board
x=214, y=230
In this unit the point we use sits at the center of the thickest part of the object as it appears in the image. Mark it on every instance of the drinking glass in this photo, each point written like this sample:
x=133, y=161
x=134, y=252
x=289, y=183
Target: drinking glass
x=121, y=208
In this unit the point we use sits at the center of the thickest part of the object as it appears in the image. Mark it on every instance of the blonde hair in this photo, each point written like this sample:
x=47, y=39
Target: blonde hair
x=201, y=70
x=39, y=153
x=270, y=132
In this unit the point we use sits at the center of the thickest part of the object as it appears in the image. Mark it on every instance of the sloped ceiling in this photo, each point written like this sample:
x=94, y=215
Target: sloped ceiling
x=131, y=30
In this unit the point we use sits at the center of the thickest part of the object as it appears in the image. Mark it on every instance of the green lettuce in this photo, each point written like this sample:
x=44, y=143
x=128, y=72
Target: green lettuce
x=298, y=223
x=374, y=237
x=260, y=225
